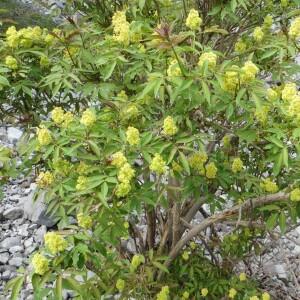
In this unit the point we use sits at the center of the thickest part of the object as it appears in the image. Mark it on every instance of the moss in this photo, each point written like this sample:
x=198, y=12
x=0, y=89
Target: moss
x=12, y=12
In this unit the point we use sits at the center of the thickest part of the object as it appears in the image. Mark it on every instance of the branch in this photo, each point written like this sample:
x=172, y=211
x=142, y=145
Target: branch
x=218, y=217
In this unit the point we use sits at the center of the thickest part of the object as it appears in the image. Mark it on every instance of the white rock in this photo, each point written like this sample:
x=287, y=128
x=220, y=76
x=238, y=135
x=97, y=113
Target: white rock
x=16, y=261
x=13, y=213
x=13, y=134
x=10, y=242
x=4, y=258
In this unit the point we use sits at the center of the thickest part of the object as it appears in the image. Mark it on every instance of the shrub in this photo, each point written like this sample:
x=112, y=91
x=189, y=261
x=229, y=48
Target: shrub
x=161, y=110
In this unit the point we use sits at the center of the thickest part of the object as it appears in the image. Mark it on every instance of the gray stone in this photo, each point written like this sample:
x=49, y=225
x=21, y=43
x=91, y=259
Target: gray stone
x=6, y=275
x=28, y=242
x=15, y=249
x=16, y=261
x=39, y=234
x=4, y=258
x=13, y=213
x=22, y=230
x=29, y=250
x=35, y=209
x=10, y=242
x=13, y=134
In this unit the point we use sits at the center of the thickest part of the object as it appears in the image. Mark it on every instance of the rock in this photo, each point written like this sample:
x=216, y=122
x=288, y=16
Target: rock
x=10, y=242
x=15, y=249
x=29, y=250
x=6, y=275
x=35, y=209
x=16, y=261
x=39, y=234
x=4, y=258
x=28, y=242
x=13, y=134
x=22, y=230
x=13, y=213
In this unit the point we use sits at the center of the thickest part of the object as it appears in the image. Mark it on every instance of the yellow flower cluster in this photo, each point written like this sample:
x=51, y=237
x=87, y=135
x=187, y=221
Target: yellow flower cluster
x=88, y=118
x=289, y=91
x=269, y=186
x=44, y=136
x=130, y=112
x=121, y=27
x=262, y=114
x=193, y=20
x=122, y=95
x=68, y=119
x=123, y=189
x=226, y=141
x=254, y=298
x=118, y=159
x=61, y=166
x=82, y=168
x=132, y=136
x=248, y=72
x=204, y=292
x=211, y=170
x=57, y=115
x=40, y=264
x=84, y=221
x=163, y=294
x=294, y=107
x=268, y=22
x=284, y=3
x=176, y=167
x=271, y=94
x=243, y=277
x=174, y=69
x=158, y=165
x=126, y=173
x=120, y=285
x=258, y=34
x=44, y=61
x=197, y=161
x=295, y=195
x=11, y=62
x=231, y=79
x=240, y=46
x=232, y=293
x=136, y=261
x=210, y=58
x=265, y=296
x=169, y=127
x=185, y=295
x=294, y=31
x=55, y=242
x=185, y=255
x=45, y=179
x=81, y=183
x=237, y=165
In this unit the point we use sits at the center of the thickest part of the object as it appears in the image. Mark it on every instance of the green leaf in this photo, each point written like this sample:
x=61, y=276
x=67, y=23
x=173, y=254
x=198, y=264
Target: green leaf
x=15, y=284
x=282, y=222
x=141, y=4
x=206, y=91
x=275, y=141
x=3, y=81
x=58, y=288
x=184, y=162
x=278, y=164
x=109, y=70
x=160, y=266
x=94, y=148
x=285, y=157
x=272, y=220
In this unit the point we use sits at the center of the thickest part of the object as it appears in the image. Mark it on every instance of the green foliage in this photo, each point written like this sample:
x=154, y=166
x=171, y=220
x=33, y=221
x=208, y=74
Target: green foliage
x=155, y=118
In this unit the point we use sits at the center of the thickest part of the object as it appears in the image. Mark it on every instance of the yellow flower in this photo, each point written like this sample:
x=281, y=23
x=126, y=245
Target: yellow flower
x=176, y=167
x=294, y=31
x=126, y=173
x=45, y=179
x=158, y=165
x=237, y=165
x=48, y=39
x=88, y=118
x=294, y=107
x=122, y=95
x=120, y=285
x=289, y=91
x=136, y=261
x=232, y=293
x=44, y=136
x=85, y=222
x=265, y=296
x=258, y=34
x=240, y=46
x=123, y=189
x=211, y=170
x=55, y=242
x=82, y=168
x=11, y=62
x=226, y=141
x=121, y=28
x=81, y=183
x=262, y=114
x=269, y=186
x=186, y=295
x=210, y=58
x=68, y=119
x=193, y=245
x=132, y=136
x=40, y=264
x=248, y=72
x=193, y=21
x=130, y=112
x=163, y=294
x=174, y=69
x=254, y=298
x=197, y=159
x=126, y=225
x=243, y=277
x=57, y=115
x=268, y=21
x=284, y=3
x=44, y=61
x=295, y=195
x=204, y=292
x=271, y=94
x=185, y=255
x=118, y=159
x=231, y=79
x=169, y=127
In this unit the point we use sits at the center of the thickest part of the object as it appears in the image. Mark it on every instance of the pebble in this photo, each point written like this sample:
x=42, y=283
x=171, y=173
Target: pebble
x=13, y=213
